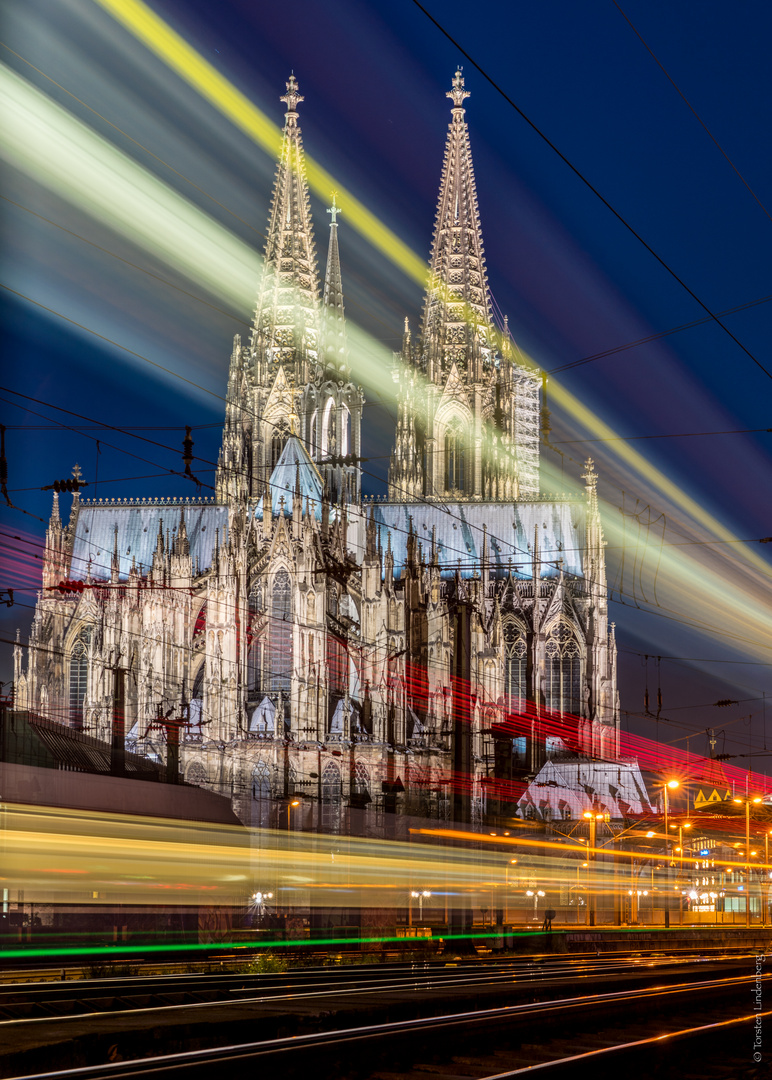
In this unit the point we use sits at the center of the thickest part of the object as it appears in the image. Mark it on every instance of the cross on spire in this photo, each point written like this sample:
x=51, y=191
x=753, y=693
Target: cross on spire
x=334, y=210
x=292, y=97
x=458, y=93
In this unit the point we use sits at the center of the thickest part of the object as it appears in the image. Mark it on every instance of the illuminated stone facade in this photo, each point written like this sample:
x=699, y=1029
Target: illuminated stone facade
x=368, y=660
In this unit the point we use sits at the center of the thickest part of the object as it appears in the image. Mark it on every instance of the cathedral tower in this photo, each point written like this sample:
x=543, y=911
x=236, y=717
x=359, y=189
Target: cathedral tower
x=468, y=415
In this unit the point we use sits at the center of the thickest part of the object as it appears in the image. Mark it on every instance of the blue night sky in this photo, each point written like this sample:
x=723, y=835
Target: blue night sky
x=572, y=279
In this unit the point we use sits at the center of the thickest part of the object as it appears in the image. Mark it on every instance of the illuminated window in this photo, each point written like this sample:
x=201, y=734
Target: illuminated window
x=254, y=642
x=328, y=429
x=564, y=668
x=361, y=779
x=79, y=677
x=261, y=794
x=278, y=441
x=332, y=792
x=515, y=663
x=197, y=701
x=280, y=661
x=454, y=455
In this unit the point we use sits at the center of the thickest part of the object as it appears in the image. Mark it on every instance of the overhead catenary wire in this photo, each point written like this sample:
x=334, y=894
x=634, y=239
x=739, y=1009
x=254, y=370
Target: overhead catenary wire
x=580, y=175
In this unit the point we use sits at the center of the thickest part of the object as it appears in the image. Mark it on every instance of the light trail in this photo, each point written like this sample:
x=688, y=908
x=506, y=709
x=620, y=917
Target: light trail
x=66, y=156
x=207, y=81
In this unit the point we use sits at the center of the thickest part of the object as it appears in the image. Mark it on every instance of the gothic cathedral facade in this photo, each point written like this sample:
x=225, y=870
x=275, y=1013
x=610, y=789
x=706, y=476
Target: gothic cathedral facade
x=357, y=661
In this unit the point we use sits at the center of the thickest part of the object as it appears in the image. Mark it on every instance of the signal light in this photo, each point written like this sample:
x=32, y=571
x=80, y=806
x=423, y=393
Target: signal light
x=72, y=484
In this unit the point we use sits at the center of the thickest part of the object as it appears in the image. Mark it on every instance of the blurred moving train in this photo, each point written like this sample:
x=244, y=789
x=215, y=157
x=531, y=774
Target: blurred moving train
x=76, y=877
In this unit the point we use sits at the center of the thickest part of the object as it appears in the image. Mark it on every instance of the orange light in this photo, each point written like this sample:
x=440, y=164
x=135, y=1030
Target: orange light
x=295, y=803
x=737, y=800
x=673, y=784
x=587, y=814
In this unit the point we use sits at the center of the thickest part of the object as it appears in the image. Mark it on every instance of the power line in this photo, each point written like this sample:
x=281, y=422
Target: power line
x=656, y=336
x=674, y=435
x=623, y=221
x=691, y=108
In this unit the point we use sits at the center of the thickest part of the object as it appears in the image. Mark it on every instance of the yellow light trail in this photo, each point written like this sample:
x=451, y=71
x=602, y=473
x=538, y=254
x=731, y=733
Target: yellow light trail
x=182, y=58
x=49, y=144
x=59, y=151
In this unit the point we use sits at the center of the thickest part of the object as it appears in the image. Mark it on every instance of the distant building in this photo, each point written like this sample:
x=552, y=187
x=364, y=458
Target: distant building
x=363, y=654
x=567, y=786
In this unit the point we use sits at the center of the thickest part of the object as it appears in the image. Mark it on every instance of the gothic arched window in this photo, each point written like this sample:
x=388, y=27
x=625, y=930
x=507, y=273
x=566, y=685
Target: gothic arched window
x=328, y=429
x=515, y=664
x=261, y=794
x=455, y=456
x=564, y=670
x=79, y=677
x=278, y=442
x=332, y=793
x=280, y=659
x=345, y=431
x=254, y=641
x=197, y=701
x=313, y=434
x=196, y=774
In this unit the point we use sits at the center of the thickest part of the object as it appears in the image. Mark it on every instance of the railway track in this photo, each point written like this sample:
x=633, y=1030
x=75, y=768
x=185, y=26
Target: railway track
x=688, y=1029
x=62, y=1000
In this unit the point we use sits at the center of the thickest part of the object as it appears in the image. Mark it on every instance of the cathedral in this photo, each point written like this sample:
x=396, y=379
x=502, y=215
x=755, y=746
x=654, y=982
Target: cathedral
x=327, y=660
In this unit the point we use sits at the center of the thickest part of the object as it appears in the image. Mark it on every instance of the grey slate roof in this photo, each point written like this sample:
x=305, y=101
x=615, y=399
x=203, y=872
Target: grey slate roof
x=511, y=530
x=138, y=534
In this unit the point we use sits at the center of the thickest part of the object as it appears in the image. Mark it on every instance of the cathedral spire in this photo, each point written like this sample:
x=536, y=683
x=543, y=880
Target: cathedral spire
x=334, y=324
x=457, y=313
x=285, y=326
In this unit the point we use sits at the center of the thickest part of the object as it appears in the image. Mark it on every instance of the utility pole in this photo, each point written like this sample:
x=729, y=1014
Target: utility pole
x=461, y=915
x=118, y=741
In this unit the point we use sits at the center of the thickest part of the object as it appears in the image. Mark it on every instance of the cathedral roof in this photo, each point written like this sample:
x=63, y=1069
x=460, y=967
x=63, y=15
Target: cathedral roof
x=137, y=534
x=459, y=530
x=294, y=469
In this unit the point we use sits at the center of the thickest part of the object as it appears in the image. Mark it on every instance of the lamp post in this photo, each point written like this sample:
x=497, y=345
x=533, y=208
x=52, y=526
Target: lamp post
x=748, y=801
x=289, y=808
x=593, y=818
x=512, y=862
x=668, y=785
x=419, y=896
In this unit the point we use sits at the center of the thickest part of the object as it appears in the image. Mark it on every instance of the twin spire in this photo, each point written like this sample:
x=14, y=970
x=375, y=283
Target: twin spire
x=457, y=314
x=288, y=328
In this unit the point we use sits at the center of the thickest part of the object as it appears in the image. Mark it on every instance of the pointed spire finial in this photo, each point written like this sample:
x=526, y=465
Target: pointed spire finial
x=292, y=97
x=334, y=210
x=458, y=93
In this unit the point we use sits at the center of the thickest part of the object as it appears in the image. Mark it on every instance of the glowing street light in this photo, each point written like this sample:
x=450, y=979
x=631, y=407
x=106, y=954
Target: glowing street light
x=420, y=897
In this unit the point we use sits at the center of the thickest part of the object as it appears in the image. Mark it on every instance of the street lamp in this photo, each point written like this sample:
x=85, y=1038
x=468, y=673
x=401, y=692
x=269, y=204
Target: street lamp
x=419, y=896
x=512, y=862
x=289, y=808
x=593, y=818
x=667, y=785
x=747, y=801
